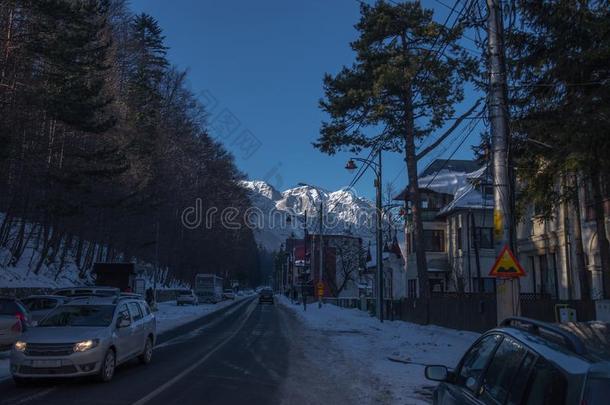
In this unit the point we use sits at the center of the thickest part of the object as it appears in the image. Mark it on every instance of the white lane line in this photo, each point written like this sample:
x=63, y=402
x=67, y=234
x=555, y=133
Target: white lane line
x=178, y=377
x=198, y=331
x=32, y=397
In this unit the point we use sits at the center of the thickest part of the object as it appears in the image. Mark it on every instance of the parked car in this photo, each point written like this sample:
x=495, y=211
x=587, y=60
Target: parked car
x=266, y=295
x=187, y=297
x=228, y=294
x=530, y=362
x=87, y=291
x=14, y=320
x=40, y=305
x=87, y=336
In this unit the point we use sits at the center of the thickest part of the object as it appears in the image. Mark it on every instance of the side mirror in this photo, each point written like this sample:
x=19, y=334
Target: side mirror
x=122, y=322
x=436, y=373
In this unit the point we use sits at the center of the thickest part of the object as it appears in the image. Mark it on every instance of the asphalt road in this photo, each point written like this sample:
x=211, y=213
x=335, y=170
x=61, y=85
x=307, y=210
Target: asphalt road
x=240, y=354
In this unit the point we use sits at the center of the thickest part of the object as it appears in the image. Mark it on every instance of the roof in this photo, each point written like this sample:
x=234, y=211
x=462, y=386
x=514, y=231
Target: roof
x=469, y=196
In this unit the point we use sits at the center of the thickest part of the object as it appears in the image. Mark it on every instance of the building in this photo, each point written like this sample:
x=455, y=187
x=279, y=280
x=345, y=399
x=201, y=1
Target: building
x=344, y=259
x=457, y=209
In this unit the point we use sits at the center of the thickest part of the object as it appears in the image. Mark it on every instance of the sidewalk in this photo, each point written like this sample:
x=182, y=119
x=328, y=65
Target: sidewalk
x=371, y=345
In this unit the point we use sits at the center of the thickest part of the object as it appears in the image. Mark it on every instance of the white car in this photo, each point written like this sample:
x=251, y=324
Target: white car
x=228, y=294
x=87, y=336
x=187, y=297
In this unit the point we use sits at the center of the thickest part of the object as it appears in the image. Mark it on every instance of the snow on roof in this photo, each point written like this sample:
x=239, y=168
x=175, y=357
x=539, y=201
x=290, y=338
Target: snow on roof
x=444, y=176
x=469, y=195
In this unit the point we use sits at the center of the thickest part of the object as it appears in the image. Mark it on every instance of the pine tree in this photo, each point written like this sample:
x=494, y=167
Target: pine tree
x=408, y=75
x=559, y=54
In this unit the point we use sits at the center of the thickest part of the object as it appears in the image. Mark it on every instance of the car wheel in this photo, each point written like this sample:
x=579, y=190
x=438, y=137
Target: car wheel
x=21, y=382
x=107, y=367
x=146, y=355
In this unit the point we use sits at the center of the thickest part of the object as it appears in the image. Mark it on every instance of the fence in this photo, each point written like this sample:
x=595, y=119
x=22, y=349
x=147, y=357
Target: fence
x=465, y=311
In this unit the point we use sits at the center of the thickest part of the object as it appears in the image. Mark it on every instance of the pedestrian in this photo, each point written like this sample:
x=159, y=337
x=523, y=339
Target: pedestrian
x=150, y=297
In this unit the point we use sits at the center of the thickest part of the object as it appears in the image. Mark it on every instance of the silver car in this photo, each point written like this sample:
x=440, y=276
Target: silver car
x=87, y=336
x=41, y=305
x=14, y=320
x=187, y=297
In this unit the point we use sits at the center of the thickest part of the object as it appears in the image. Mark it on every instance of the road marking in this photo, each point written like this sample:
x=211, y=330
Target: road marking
x=177, y=378
x=198, y=331
x=32, y=397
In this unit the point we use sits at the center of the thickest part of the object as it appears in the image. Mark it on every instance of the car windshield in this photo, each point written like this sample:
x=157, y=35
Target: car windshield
x=80, y=315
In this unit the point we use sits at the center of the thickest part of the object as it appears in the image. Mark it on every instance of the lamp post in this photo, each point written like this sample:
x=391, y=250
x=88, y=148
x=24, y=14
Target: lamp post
x=376, y=166
x=305, y=267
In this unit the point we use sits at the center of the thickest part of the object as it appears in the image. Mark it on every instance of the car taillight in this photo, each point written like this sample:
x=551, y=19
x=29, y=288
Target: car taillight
x=17, y=326
x=20, y=316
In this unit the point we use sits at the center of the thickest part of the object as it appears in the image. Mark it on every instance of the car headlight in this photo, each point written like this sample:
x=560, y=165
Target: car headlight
x=20, y=346
x=85, y=345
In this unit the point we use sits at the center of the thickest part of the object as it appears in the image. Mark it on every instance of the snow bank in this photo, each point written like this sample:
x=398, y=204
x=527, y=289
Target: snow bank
x=371, y=344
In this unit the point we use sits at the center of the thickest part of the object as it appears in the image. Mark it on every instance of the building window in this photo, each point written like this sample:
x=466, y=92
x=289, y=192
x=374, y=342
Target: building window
x=459, y=238
x=484, y=237
x=412, y=288
x=434, y=240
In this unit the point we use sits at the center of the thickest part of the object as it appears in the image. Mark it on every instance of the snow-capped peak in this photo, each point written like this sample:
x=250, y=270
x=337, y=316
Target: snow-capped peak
x=344, y=211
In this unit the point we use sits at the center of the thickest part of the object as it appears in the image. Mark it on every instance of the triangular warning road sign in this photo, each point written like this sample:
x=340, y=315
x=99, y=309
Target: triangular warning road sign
x=506, y=266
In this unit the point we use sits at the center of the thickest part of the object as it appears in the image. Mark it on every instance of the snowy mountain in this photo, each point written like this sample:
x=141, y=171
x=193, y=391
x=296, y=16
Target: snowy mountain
x=344, y=212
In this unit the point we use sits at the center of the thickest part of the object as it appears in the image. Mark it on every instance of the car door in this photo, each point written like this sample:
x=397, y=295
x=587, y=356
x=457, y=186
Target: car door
x=124, y=336
x=463, y=387
x=138, y=324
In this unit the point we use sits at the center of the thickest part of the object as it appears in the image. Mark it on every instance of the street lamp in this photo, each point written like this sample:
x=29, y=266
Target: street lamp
x=376, y=166
x=303, y=275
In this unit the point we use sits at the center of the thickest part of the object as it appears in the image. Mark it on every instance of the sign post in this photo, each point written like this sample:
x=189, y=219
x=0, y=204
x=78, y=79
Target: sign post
x=507, y=270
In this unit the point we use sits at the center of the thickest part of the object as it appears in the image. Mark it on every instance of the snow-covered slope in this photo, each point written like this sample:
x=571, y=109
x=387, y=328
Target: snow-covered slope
x=344, y=212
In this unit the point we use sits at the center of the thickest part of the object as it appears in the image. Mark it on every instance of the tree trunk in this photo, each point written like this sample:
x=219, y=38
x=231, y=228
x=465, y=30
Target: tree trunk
x=600, y=227
x=415, y=198
x=581, y=268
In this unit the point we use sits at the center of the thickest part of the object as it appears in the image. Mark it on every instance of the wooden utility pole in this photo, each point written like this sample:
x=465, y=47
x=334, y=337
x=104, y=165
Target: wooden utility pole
x=507, y=291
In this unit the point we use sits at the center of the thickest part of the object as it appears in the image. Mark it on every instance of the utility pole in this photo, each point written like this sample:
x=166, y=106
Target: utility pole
x=305, y=267
x=321, y=253
x=351, y=166
x=507, y=291
x=379, y=238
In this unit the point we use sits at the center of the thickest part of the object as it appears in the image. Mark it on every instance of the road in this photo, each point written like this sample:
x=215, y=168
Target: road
x=244, y=353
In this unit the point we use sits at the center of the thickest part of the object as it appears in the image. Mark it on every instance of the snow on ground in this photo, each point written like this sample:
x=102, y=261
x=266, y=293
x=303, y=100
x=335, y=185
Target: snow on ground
x=370, y=344
x=170, y=315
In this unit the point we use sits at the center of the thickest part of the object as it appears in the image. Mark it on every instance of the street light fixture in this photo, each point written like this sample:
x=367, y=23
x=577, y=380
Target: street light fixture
x=351, y=166
x=376, y=166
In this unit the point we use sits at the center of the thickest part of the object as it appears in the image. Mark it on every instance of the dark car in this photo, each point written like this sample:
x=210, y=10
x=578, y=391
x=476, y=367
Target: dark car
x=14, y=320
x=266, y=295
x=530, y=362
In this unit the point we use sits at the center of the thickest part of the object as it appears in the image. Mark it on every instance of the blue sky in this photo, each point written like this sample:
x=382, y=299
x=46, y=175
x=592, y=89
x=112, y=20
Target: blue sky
x=259, y=67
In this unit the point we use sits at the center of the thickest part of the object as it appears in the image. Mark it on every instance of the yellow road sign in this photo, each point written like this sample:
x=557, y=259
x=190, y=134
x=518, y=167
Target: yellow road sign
x=506, y=265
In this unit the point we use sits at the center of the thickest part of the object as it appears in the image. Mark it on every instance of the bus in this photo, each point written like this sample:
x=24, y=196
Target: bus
x=208, y=288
